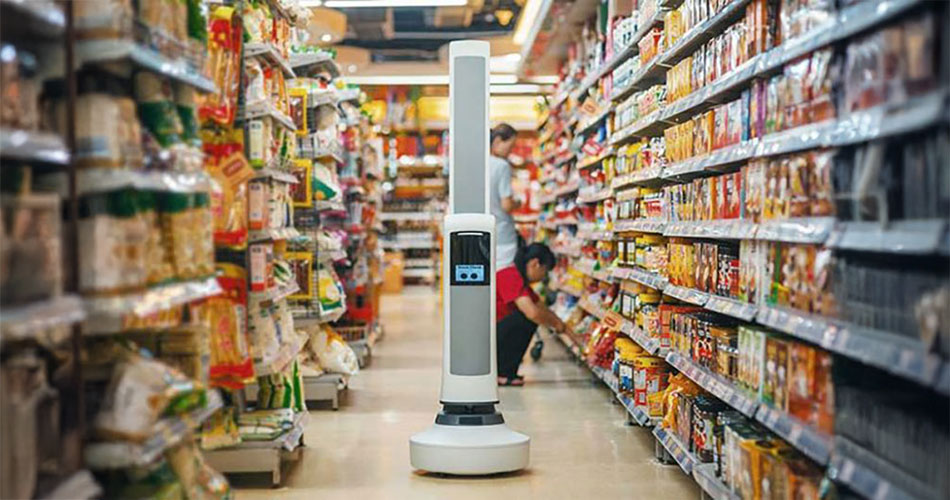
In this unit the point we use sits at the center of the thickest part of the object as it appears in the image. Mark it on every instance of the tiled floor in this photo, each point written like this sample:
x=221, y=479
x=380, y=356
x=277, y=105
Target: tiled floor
x=580, y=445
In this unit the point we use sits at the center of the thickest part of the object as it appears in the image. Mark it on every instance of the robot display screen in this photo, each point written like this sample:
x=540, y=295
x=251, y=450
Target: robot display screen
x=470, y=259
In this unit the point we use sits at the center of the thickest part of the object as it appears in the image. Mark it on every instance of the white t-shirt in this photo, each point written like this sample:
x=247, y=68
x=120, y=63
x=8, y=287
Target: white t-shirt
x=506, y=237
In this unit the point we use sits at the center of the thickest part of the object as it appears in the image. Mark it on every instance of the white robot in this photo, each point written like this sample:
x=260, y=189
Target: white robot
x=469, y=436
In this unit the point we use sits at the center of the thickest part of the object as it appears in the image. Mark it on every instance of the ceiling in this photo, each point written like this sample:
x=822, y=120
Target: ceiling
x=416, y=34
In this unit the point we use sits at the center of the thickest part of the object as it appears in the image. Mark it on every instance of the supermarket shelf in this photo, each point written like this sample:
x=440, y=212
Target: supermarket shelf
x=27, y=321
x=271, y=54
x=647, y=75
x=618, y=58
x=711, y=162
x=645, y=176
x=640, y=225
x=593, y=309
x=686, y=294
x=27, y=145
x=715, y=489
x=726, y=85
x=593, y=234
x=408, y=216
x=419, y=273
x=308, y=63
x=276, y=293
x=166, y=433
x=896, y=354
x=647, y=126
x=154, y=299
x=593, y=161
x=641, y=276
x=873, y=477
x=734, y=229
x=650, y=344
x=800, y=230
x=263, y=109
x=636, y=413
x=915, y=237
x=676, y=449
x=596, y=196
x=284, y=356
x=260, y=456
x=42, y=18
x=428, y=262
x=306, y=319
x=103, y=180
x=273, y=234
x=722, y=389
x=277, y=175
x=78, y=486
x=805, y=438
x=592, y=123
x=702, y=32
x=732, y=307
x=109, y=50
x=401, y=245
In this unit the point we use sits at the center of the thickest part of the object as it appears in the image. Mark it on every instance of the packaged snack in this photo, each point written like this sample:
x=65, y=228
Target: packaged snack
x=225, y=316
x=775, y=388
x=799, y=175
x=142, y=390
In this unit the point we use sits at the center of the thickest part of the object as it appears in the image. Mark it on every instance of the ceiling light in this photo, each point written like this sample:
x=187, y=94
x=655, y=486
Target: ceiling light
x=311, y=3
x=326, y=38
x=353, y=4
x=419, y=79
x=351, y=68
x=527, y=20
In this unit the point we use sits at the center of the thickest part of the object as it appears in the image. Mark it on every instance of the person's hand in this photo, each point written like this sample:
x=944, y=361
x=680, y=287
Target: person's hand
x=560, y=327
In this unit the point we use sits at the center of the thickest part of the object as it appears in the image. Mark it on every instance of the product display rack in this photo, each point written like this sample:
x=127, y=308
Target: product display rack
x=411, y=217
x=582, y=141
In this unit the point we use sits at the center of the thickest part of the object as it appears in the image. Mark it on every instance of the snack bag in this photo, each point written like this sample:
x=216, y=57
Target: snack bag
x=334, y=354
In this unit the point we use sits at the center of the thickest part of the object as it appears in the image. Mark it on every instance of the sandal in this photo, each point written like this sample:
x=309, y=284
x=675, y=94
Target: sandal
x=516, y=381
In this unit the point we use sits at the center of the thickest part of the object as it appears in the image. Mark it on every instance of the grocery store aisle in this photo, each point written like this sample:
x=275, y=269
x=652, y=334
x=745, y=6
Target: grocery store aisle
x=581, y=447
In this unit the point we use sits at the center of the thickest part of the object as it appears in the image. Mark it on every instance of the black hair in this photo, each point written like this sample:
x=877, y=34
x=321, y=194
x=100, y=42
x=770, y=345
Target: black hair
x=538, y=251
x=502, y=131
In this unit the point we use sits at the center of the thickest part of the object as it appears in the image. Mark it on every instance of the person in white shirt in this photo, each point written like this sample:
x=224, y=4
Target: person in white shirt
x=503, y=202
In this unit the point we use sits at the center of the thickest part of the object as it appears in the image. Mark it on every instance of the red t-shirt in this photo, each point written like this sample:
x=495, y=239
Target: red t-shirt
x=509, y=286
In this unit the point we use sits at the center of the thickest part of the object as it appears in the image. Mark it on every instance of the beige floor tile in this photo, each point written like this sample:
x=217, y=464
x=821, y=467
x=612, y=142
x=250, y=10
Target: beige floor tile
x=580, y=445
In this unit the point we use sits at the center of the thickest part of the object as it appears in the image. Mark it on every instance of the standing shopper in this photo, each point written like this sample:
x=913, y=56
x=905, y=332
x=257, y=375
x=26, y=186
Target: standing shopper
x=502, y=197
x=519, y=310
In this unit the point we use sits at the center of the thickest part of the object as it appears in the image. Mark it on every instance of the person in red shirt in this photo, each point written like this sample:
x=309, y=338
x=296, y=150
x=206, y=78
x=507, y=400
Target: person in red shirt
x=519, y=311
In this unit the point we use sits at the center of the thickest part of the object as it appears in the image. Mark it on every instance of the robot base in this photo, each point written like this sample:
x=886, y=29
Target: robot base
x=469, y=450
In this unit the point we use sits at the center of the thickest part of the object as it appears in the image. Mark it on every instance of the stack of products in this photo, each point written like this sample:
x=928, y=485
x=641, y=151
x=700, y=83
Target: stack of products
x=778, y=228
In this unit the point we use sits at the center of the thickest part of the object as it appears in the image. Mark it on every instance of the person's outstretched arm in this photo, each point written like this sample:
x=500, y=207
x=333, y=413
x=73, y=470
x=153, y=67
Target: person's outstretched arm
x=540, y=314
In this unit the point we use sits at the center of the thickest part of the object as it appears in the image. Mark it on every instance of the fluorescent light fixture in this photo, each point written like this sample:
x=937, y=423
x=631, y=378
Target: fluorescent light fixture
x=419, y=79
x=526, y=21
x=521, y=88
x=354, y=4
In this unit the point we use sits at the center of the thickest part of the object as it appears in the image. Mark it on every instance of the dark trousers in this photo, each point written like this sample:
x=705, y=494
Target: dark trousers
x=513, y=333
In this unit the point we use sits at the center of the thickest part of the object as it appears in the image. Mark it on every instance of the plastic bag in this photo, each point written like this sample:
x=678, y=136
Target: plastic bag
x=334, y=354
